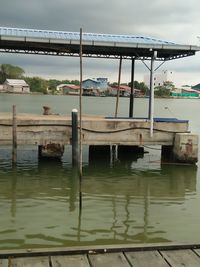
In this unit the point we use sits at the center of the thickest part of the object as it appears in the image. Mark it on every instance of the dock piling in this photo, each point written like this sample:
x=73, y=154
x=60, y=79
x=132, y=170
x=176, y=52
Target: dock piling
x=113, y=154
x=74, y=137
x=14, y=135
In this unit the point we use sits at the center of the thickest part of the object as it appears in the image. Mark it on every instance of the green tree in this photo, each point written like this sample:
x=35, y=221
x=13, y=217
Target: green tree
x=37, y=84
x=141, y=86
x=161, y=91
x=169, y=85
x=164, y=90
x=76, y=82
x=52, y=84
x=113, y=84
x=8, y=71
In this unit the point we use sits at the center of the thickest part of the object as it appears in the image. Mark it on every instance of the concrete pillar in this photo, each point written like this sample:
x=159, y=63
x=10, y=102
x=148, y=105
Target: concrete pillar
x=51, y=151
x=131, y=104
x=151, y=97
x=186, y=148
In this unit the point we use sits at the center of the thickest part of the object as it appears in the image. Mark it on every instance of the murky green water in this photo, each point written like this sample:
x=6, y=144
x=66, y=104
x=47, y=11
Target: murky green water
x=133, y=200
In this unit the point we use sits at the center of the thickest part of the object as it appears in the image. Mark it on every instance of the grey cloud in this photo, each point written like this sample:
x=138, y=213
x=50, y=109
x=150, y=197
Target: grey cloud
x=129, y=16
x=171, y=20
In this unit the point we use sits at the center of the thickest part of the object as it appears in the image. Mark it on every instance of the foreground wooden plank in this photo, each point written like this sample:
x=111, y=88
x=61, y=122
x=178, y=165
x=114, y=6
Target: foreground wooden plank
x=108, y=259
x=96, y=249
x=70, y=261
x=146, y=259
x=197, y=251
x=180, y=258
x=3, y=263
x=30, y=262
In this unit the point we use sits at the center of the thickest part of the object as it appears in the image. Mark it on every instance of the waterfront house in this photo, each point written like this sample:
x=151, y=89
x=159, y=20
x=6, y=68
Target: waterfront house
x=16, y=86
x=68, y=89
x=1, y=88
x=95, y=86
x=124, y=90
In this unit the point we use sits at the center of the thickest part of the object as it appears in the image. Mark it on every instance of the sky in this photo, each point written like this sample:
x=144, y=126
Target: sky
x=172, y=20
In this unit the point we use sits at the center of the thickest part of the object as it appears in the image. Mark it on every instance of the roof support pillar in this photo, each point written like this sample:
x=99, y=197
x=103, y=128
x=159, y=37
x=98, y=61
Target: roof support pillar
x=151, y=96
x=131, y=105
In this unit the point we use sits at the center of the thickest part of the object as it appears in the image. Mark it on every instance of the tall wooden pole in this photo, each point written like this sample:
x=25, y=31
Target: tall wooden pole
x=80, y=123
x=118, y=87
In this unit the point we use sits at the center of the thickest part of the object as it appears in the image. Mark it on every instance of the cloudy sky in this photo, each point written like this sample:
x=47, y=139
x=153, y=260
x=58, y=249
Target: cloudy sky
x=172, y=20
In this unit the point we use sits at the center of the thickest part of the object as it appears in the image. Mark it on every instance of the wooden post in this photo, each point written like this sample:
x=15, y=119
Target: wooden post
x=14, y=136
x=74, y=137
x=118, y=89
x=113, y=153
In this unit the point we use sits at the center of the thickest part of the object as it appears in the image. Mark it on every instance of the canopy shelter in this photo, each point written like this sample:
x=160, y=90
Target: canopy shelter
x=59, y=43
x=30, y=41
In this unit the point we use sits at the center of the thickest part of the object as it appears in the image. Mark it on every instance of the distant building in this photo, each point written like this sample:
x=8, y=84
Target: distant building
x=100, y=84
x=159, y=78
x=185, y=91
x=196, y=87
x=68, y=89
x=16, y=86
x=1, y=88
x=124, y=90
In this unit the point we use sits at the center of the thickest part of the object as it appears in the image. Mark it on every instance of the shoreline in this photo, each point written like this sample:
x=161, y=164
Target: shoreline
x=140, y=97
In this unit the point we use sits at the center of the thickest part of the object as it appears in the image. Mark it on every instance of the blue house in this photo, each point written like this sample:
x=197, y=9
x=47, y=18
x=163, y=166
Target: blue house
x=100, y=84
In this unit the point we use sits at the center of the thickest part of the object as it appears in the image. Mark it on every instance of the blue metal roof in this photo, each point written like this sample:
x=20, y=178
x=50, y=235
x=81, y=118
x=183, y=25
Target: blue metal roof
x=31, y=41
x=61, y=35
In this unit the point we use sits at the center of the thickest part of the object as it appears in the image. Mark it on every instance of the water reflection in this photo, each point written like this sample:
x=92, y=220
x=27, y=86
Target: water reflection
x=167, y=181
x=133, y=198
x=39, y=204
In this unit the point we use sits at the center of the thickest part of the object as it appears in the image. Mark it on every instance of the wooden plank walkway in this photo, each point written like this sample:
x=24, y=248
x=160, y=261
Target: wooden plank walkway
x=135, y=256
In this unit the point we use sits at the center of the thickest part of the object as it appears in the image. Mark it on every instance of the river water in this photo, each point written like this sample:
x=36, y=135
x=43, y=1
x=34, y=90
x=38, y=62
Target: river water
x=132, y=200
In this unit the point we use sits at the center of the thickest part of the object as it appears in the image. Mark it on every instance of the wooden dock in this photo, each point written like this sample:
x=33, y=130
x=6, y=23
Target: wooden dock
x=97, y=130
x=102, y=256
x=42, y=130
